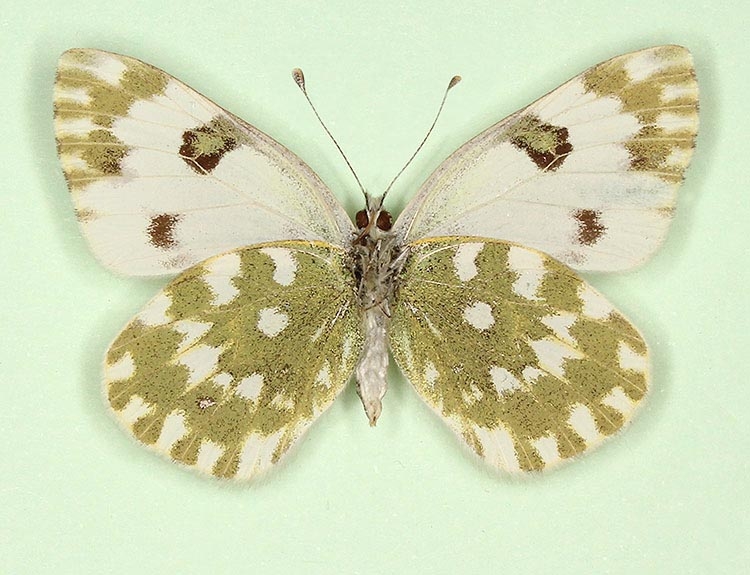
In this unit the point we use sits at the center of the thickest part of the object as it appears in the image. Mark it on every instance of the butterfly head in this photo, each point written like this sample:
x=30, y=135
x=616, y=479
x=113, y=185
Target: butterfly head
x=373, y=221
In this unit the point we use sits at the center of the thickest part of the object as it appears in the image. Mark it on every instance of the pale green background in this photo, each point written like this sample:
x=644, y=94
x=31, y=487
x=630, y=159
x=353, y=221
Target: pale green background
x=669, y=496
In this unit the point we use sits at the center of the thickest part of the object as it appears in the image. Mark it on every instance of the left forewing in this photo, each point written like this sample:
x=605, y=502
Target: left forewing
x=226, y=368
x=526, y=362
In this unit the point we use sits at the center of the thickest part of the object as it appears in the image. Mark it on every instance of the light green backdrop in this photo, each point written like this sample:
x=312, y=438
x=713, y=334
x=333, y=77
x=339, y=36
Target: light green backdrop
x=77, y=496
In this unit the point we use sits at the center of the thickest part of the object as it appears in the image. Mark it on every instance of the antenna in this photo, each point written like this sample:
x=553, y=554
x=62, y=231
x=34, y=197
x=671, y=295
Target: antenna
x=299, y=78
x=455, y=80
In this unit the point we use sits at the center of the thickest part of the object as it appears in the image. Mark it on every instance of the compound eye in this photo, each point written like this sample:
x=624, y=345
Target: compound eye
x=384, y=221
x=361, y=219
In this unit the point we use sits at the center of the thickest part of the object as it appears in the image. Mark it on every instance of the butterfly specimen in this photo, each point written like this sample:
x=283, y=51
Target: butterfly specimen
x=281, y=297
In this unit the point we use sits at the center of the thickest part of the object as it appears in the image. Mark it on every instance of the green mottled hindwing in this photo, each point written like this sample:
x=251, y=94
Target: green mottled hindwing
x=234, y=359
x=526, y=362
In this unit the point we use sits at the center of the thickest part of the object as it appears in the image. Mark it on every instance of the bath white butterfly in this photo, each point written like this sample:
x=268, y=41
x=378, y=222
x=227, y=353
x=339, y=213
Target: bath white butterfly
x=280, y=297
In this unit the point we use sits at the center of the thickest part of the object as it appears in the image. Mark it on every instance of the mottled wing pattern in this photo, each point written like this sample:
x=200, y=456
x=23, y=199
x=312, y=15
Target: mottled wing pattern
x=523, y=359
x=587, y=174
x=226, y=368
x=163, y=178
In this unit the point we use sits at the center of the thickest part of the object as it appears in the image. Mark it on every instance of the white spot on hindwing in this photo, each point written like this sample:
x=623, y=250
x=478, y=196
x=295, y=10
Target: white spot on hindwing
x=191, y=331
x=552, y=355
x=547, y=449
x=431, y=373
x=155, y=312
x=479, y=315
x=250, y=386
x=323, y=376
x=123, y=368
x=318, y=332
x=582, y=421
x=529, y=265
x=257, y=452
x=594, y=305
x=201, y=361
x=473, y=395
x=560, y=324
x=272, y=321
x=629, y=359
x=208, y=454
x=221, y=271
x=464, y=260
x=283, y=402
x=503, y=380
x=134, y=410
x=531, y=374
x=347, y=349
x=223, y=379
x=498, y=448
x=617, y=399
x=172, y=431
x=285, y=263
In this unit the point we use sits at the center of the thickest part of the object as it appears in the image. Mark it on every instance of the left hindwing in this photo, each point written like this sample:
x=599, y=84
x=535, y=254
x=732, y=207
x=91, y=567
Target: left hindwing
x=587, y=174
x=226, y=368
x=526, y=362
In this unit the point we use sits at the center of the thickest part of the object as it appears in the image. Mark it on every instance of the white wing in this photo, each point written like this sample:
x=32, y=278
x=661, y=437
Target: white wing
x=587, y=174
x=162, y=177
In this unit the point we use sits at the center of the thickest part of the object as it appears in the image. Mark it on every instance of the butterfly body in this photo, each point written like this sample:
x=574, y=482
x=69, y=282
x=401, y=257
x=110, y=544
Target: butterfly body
x=473, y=289
x=377, y=259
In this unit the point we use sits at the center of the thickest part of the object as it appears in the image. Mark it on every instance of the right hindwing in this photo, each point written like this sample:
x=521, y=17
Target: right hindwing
x=525, y=361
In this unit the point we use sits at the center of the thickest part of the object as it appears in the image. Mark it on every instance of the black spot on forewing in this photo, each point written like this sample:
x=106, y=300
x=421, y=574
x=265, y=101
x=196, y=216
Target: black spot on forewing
x=546, y=145
x=204, y=147
x=590, y=228
x=160, y=231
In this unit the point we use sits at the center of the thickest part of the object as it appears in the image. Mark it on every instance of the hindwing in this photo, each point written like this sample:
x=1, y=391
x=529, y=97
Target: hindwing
x=525, y=361
x=228, y=366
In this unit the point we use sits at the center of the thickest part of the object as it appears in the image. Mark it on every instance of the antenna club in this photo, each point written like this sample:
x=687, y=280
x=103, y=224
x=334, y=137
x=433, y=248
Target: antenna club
x=299, y=78
x=455, y=80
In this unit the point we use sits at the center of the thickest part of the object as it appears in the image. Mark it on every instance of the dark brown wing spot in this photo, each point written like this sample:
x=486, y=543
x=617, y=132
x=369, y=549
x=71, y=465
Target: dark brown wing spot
x=546, y=145
x=590, y=228
x=204, y=147
x=161, y=231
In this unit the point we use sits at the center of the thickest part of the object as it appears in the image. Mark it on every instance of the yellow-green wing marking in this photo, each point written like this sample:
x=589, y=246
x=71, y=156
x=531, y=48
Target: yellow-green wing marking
x=226, y=368
x=526, y=362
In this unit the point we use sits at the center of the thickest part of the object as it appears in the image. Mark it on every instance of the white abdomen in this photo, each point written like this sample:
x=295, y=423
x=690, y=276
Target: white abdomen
x=373, y=363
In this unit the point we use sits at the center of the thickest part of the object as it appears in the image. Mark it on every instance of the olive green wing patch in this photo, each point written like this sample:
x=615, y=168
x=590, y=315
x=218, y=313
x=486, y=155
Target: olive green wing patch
x=227, y=367
x=520, y=357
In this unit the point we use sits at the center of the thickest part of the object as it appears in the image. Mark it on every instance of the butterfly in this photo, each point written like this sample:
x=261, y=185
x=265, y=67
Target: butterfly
x=281, y=297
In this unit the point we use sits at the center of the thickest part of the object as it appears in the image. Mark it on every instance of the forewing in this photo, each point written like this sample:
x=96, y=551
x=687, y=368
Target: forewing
x=226, y=368
x=588, y=173
x=519, y=356
x=163, y=178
